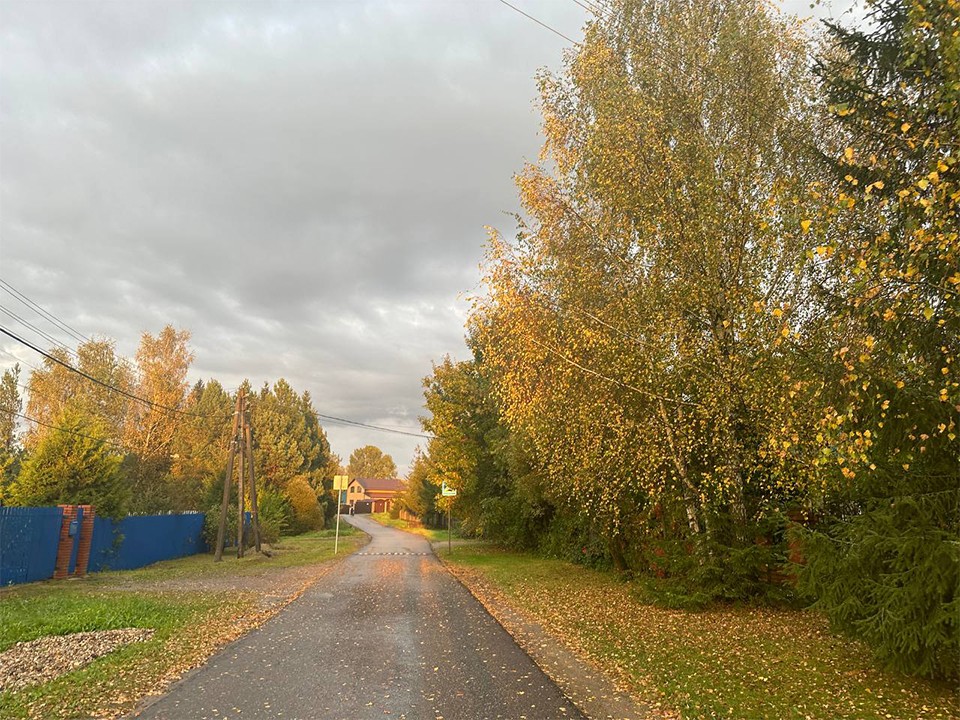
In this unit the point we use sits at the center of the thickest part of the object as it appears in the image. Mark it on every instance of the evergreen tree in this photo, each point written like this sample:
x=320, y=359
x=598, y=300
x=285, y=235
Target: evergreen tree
x=74, y=465
x=883, y=557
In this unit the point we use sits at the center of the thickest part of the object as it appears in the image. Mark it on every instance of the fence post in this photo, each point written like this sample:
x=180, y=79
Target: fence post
x=65, y=547
x=86, y=538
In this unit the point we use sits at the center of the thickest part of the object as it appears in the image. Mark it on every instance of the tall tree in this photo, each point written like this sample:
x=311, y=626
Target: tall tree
x=11, y=404
x=199, y=447
x=468, y=450
x=370, y=461
x=290, y=440
x=52, y=387
x=420, y=493
x=883, y=557
x=163, y=362
x=641, y=327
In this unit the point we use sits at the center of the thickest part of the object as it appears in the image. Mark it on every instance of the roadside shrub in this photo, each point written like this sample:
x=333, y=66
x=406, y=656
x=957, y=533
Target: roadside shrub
x=306, y=511
x=211, y=524
x=276, y=515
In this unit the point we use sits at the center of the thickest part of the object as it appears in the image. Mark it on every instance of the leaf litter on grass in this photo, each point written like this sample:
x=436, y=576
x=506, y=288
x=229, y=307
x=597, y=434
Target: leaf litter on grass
x=729, y=661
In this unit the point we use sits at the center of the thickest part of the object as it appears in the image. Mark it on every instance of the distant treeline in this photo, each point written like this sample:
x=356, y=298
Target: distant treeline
x=137, y=438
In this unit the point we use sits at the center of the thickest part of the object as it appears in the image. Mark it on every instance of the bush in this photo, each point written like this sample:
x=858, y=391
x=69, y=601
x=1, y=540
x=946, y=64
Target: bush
x=276, y=515
x=211, y=524
x=306, y=511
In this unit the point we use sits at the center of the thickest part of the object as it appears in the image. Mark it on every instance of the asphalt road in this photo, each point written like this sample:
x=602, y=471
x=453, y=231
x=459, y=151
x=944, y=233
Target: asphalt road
x=388, y=634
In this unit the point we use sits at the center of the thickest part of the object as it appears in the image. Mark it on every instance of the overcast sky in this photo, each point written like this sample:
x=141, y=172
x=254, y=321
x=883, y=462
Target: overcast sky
x=302, y=185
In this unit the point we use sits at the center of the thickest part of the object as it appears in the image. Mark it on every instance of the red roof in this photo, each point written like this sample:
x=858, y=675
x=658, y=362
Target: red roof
x=381, y=484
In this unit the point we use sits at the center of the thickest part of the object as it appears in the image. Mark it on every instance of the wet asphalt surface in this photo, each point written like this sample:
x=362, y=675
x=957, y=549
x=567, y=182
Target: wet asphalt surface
x=388, y=634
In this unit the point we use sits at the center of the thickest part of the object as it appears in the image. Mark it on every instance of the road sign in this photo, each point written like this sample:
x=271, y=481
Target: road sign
x=340, y=482
x=447, y=491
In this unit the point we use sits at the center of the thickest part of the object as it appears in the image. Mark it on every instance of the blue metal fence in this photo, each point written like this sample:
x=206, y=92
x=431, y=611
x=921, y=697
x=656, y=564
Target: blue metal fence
x=141, y=540
x=28, y=543
x=29, y=539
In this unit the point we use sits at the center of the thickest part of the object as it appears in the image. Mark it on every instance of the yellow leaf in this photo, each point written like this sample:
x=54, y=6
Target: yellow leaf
x=805, y=224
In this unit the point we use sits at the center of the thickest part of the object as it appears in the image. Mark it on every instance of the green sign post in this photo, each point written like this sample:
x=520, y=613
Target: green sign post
x=451, y=493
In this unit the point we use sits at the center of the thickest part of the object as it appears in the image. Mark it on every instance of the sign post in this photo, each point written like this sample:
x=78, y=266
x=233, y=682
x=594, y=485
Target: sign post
x=451, y=493
x=340, y=483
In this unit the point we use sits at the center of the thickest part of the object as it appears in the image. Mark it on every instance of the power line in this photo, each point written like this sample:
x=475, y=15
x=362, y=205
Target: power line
x=42, y=333
x=66, y=327
x=590, y=7
x=10, y=290
x=108, y=386
x=539, y=22
x=10, y=354
x=622, y=384
x=149, y=403
x=381, y=428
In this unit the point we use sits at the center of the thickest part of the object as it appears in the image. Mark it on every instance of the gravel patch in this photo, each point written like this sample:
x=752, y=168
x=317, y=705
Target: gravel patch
x=37, y=661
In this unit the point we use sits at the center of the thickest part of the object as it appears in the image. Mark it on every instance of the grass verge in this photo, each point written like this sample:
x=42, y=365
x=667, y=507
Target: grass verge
x=431, y=534
x=188, y=602
x=731, y=662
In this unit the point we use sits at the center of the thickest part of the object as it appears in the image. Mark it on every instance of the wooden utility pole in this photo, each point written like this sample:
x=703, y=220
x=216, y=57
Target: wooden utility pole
x=254, y=505
x=241, y=496
x=228, y=480
x=240, y=451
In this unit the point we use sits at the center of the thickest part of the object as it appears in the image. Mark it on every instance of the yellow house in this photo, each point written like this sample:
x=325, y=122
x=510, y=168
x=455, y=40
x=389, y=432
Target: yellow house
x=373, y=494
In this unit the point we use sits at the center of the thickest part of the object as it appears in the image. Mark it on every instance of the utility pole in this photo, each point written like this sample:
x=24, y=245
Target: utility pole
x=240, y=451
x=254, y=505
x=228, y=481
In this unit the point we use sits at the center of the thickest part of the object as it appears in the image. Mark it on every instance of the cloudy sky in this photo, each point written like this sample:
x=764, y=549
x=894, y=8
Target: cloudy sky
x=303, y=185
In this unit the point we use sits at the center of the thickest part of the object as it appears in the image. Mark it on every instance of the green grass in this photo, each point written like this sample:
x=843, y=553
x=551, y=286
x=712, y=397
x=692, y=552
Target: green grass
x=114, y=680
x=741, y=662
x=188, y=623
x=37, y=612
x=431, y=534
x=297, y=550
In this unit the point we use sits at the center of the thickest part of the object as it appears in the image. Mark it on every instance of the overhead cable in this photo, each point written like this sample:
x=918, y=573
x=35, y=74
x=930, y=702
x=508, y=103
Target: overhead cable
x=91, y=378
x=380, y=428
x=10, y=290
x=41, y=333
x=539, y=22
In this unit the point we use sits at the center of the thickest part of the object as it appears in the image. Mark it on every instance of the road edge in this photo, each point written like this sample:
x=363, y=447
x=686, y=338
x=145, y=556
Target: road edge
x=589, y=688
